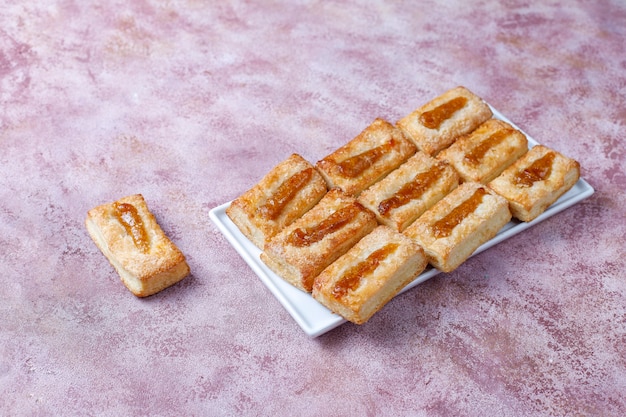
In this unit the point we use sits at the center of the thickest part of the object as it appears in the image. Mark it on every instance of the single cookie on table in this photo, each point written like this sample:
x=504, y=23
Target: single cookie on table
x=457, y=225
x=406, y=193
x=366, y=159
x=438, y=123
x=127, y=233
x=536, y=181
x=370, y=274
x=483, y=154
x=283, y=195
x=303, y=249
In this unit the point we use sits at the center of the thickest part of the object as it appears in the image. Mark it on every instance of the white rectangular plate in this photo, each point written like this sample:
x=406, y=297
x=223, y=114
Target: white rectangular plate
x=316, y=319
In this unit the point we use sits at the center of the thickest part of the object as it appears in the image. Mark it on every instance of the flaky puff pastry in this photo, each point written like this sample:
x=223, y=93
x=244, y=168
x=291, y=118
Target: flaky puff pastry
x=438, y=123
x=483, y=154
x=406, y=193
x=129, y=236
x=283, y=195
x=303, y=249
x=376, y=151
x=457, y=225
x=536, y=181
x=369, y=275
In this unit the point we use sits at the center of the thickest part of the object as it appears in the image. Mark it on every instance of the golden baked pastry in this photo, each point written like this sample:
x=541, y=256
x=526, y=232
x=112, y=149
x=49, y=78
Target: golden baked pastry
x=437, y=124
x=403, y=195
x=483, y=154
x=367, y=158
x=283, y=195
x=362, y=281
x=457, y=225
x=536, y=181
x=129, y=236
x=303, y=249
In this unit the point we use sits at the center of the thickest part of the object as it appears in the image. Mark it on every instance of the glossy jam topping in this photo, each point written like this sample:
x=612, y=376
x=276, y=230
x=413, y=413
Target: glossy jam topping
x=411, y=190
x=274, y=205
x=475, y=156
x=432, y=119
x=307, y=236
x=129, y=218
x=444, y=226
x=353, y=276
x=537, y=171
x=356, y=165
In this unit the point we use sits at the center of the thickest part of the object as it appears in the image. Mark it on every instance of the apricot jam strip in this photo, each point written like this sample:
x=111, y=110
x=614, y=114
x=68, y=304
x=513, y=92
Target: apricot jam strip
x=432, y=119
x=444, y=226
x=537, y=171
x=128, y=216
x=352, y=278
x=274, y=205
x=411, y=190
x=354, y=166
x=475, y=156
x=307, y=236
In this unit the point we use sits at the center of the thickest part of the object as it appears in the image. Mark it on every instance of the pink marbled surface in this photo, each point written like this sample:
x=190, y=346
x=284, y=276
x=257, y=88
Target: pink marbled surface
x=190, y=102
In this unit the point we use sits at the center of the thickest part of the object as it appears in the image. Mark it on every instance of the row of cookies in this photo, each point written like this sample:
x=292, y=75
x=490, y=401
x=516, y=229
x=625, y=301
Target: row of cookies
x=367, y=219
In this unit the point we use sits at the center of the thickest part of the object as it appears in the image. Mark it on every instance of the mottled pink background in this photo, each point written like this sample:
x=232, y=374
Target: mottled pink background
x=191, y=102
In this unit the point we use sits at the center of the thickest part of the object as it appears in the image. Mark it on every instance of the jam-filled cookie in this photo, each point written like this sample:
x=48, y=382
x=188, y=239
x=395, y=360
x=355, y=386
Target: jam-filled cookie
x=438, y=123
x=403, y=195
x=366, y=159
x=536, y=181
x=283, y=195
x=362, y=281
x=303, y=249
x=457, y=225
x=129, y=236
x=483, y=154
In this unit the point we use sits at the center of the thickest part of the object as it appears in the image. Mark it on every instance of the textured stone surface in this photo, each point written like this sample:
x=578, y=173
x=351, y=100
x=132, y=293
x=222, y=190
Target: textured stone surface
x=190, y=102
